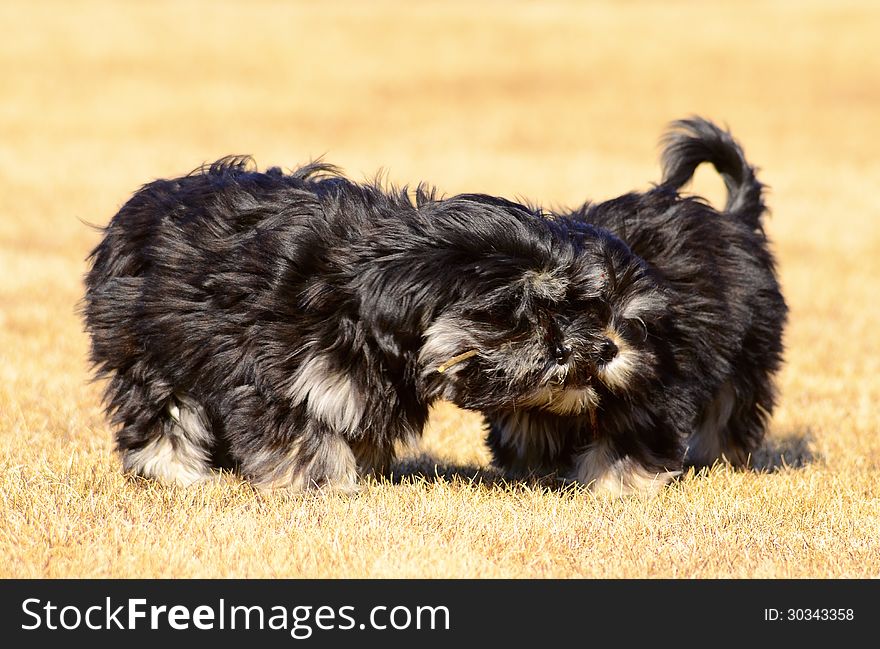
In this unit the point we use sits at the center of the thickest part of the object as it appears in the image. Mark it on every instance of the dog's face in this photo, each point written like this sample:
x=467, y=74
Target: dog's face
x=554, y=337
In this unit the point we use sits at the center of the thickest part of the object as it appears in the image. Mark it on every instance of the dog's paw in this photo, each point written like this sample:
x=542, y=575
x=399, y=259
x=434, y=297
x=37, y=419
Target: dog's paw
x=609, y=475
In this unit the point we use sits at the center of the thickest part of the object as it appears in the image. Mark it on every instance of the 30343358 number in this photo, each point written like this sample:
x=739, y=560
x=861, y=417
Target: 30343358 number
x=809, y=614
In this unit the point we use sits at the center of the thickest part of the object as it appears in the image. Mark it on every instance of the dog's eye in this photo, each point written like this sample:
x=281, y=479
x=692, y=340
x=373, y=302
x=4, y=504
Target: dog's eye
x=635, y=329
x=561, y=320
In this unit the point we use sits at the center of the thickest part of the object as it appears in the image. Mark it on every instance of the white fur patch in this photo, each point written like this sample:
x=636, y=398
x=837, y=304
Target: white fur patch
x=444, y=339
x=333, y=466
x=329, y=395
x=563, y=401
x=606, y=474
x=179, y=456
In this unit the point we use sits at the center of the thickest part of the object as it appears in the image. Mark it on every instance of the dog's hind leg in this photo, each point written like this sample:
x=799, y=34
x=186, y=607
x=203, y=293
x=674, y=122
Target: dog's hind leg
x=179, y=450
x=159, y=434
x=730, y=427
x=710, y=442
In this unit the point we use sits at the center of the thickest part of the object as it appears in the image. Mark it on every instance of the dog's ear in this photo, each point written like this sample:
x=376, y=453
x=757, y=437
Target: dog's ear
x=447, y=338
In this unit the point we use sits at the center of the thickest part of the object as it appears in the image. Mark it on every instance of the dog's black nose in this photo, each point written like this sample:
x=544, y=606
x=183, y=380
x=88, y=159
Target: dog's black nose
x=607, y=350
x=561, y=353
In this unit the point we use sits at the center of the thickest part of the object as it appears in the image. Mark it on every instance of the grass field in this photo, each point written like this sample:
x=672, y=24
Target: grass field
x=556, y=102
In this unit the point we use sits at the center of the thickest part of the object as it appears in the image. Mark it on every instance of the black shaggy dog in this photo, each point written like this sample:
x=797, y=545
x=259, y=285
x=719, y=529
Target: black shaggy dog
x=684, y=334
x=295, y=326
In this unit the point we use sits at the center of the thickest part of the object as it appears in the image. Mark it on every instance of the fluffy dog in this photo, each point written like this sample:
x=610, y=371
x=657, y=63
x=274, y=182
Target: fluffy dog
x=683, y=336
x=294, y=327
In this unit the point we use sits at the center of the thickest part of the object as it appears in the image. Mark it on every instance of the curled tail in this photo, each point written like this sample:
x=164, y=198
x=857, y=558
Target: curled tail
x=691, y=142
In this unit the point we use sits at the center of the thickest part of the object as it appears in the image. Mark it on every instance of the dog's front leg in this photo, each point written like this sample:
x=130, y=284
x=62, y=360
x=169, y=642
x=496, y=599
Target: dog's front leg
x=606, y=470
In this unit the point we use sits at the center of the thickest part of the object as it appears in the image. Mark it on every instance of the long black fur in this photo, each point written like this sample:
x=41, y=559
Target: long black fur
x=295, y=327
x=704, y=348
x=290, y=326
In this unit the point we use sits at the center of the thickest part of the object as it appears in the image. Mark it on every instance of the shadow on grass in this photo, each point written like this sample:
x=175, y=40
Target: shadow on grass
x=429, y=469
x=778, y=452
x=790, y=450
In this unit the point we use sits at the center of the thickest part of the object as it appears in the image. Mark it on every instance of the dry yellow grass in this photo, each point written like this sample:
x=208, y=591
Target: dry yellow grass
x=553, y=101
